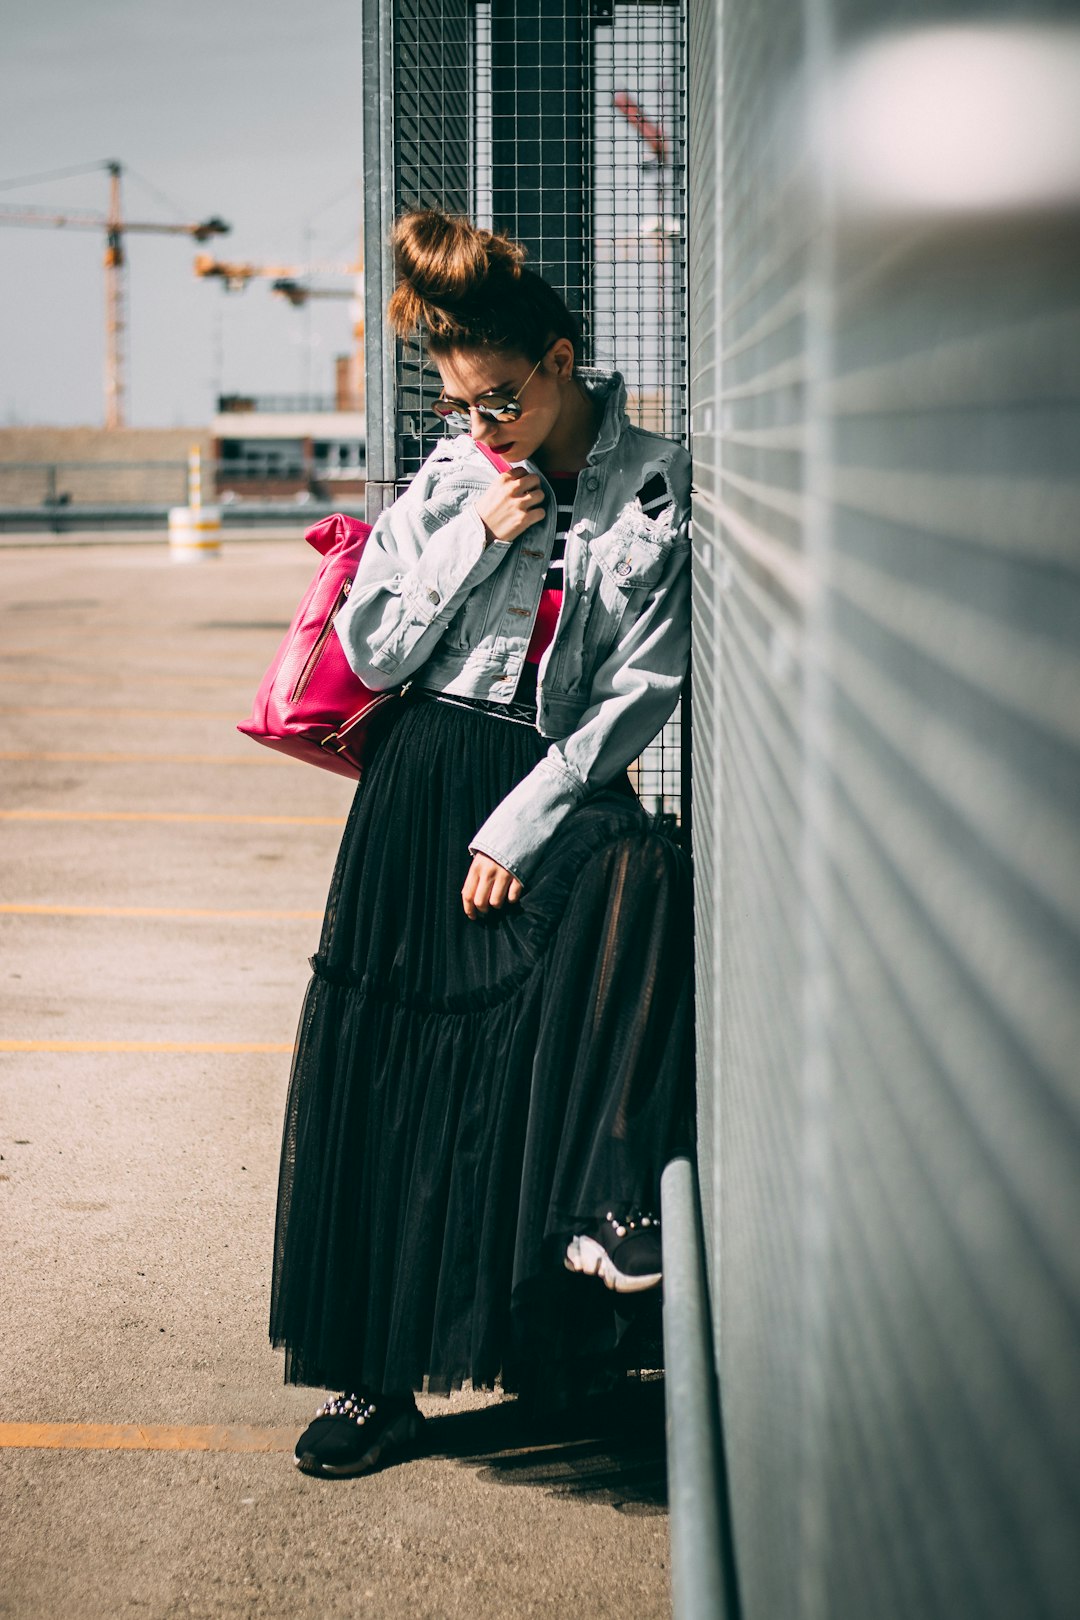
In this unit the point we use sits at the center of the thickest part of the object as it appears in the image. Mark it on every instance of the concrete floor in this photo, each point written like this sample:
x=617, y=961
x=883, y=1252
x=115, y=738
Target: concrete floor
x=137, y=1178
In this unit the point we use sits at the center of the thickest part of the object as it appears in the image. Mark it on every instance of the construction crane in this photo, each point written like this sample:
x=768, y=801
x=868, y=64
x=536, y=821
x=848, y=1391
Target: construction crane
x=651, y=133
x=295, y=293
x=115, y=227
x=235, y=276
x=283, y=278
x=655, y=139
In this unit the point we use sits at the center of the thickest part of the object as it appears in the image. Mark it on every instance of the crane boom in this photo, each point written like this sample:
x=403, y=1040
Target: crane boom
x=284, y=279
x=237, y=274
x=115, y=227
x=201, y=231
x=298, y=294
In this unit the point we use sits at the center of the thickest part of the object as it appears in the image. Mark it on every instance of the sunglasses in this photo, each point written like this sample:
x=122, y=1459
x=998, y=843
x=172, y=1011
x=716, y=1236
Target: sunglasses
x=493, y=406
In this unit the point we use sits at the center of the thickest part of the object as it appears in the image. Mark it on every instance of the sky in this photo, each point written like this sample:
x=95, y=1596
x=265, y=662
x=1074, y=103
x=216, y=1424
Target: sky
x=250, y=112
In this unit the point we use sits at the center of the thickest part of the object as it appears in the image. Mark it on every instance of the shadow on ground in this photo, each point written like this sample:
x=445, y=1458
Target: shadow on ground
x=609, y=1450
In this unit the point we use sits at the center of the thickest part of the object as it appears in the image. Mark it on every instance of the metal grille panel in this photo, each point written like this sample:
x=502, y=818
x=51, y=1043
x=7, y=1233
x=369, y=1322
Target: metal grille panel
x=564, y=125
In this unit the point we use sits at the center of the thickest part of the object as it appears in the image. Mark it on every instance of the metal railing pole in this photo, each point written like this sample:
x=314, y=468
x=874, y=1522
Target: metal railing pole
x=378, y=146
x=703, y=1583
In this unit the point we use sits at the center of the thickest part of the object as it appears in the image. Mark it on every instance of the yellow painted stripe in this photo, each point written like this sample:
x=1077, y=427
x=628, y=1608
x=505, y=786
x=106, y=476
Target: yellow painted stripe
x=170, y=815
x=19, y=909
x=144, y=1437
x=120, y=639
x=72, y=758
x=141, y=678
x=145, y=1046
x=10, y=652
x=147, y=714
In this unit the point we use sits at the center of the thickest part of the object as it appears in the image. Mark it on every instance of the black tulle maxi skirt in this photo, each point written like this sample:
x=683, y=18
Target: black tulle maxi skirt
x=465, y=1094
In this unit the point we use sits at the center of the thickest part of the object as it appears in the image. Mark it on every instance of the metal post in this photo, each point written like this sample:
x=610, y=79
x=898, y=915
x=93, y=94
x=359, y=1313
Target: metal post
x=686, y=802
x=378, y=144
x=703, y=1578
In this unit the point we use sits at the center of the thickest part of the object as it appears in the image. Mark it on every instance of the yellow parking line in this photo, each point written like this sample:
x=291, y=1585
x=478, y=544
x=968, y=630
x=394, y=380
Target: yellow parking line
x=71, y=758
x=29, y=652
x=111, y=633
x=145, y=1437
x=145, y=1046
x=126, y=714
x=143, y=678
x=169, y=815
x=18, y=909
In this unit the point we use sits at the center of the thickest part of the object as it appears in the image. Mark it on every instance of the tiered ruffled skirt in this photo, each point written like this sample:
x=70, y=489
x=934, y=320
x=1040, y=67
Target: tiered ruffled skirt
x=465, y=1094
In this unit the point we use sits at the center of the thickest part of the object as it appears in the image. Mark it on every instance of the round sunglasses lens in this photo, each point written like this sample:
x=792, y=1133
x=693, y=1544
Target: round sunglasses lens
x=452, y=418
x=500, y=410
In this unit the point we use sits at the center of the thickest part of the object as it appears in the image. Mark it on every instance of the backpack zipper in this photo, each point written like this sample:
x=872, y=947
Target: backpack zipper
x=323, y=637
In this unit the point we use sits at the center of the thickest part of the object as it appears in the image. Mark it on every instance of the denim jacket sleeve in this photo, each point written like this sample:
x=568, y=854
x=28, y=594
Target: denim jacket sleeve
x=633, y=692
x=424, y=555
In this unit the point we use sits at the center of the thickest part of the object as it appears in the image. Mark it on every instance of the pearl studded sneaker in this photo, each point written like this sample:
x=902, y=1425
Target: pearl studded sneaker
x=623, y=1251
x=351, y=1434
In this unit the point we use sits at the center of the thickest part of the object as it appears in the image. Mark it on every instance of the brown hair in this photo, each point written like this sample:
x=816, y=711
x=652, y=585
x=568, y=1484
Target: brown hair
x=467, y=288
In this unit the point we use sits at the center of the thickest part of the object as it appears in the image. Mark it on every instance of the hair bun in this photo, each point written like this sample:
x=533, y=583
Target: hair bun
x=444, y=263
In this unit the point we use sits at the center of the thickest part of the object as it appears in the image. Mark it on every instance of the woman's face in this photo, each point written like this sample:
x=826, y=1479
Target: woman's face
x=469, y=374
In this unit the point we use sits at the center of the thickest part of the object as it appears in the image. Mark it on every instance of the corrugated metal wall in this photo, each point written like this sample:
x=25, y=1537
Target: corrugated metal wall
x=885, y=409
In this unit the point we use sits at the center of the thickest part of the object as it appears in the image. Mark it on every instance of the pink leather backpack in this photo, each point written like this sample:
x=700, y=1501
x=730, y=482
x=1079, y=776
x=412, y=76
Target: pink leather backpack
x=309, y=703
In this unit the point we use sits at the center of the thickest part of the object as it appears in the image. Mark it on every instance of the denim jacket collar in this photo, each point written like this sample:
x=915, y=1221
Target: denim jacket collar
x=609, y=387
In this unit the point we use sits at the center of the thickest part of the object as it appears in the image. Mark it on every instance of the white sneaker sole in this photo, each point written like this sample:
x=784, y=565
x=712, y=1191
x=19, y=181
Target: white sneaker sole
x=584, y=1254
x=400, y=1433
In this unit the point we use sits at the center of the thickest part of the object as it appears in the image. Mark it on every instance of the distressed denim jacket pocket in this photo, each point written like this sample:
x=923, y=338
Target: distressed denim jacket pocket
x=633, y=553
x=625, y=563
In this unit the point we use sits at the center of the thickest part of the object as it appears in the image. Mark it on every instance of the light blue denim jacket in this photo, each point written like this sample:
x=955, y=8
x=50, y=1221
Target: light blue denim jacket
x=435, y=602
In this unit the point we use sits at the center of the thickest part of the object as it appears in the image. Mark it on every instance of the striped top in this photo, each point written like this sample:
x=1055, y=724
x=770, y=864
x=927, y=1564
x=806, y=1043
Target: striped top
x=564, y=487
x=654, y=496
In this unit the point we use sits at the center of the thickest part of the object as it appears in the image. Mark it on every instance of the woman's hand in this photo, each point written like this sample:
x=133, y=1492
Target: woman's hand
x=512, y=504
x=487, y=884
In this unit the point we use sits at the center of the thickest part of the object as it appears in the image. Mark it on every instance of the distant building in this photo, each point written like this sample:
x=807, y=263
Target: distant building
x=274, y=446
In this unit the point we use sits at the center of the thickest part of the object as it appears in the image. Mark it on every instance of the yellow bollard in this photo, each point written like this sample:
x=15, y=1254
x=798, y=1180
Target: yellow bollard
x=194, y=477
x=195, y=529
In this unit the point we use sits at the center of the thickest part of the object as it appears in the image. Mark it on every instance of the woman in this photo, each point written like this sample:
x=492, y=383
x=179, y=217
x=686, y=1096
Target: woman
x=493, y=1057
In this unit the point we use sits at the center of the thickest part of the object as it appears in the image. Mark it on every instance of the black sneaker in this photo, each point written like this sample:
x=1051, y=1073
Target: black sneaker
x=624, y=1252
x=353, y=1433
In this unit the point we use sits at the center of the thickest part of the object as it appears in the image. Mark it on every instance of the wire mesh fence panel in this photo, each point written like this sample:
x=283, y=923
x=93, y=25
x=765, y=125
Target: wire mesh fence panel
x=561, y=124
x=637, y=317
x=639, y=205
x=433, y=146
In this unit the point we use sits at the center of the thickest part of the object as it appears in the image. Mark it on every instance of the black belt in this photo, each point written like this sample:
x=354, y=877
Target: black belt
x=522, y=714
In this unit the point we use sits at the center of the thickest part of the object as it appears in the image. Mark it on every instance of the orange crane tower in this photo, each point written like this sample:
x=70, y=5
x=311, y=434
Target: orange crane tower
x=235, y=277
x=115, y=227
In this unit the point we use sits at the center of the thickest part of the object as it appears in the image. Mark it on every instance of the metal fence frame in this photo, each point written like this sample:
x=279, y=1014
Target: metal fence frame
x=467, y=103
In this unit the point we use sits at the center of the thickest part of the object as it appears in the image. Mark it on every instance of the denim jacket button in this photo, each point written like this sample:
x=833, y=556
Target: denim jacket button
x=623, y=568
x=591, y=482
x=433, y=596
